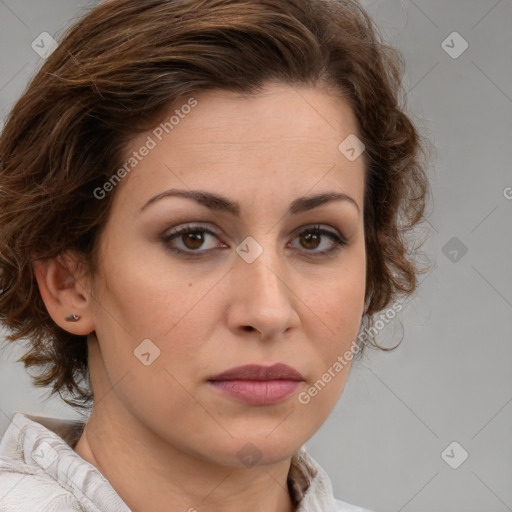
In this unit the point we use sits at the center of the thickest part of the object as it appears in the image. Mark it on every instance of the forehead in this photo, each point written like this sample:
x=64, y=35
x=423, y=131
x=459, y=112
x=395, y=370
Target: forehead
x=281, y=110
x=286, y=137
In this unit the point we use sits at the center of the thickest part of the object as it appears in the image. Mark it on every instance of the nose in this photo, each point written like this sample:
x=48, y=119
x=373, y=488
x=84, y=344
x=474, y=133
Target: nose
x=263, y=297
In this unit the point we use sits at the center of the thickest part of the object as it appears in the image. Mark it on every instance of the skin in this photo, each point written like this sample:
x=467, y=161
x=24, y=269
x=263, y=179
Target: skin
x=160, y=434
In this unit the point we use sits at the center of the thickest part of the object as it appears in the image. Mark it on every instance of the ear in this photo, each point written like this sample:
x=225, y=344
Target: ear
x=64, y=291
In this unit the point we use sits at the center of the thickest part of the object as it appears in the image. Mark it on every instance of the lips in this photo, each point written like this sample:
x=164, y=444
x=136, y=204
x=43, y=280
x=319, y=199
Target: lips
x=257, y=372
x=256, y=384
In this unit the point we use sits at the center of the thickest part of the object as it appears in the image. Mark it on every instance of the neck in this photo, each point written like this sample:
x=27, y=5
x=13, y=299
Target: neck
x=149, y=474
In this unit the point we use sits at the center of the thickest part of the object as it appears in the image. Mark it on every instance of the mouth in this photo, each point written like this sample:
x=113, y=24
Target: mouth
x=258, y=385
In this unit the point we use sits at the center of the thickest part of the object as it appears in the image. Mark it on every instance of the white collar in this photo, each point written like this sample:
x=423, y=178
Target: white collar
x=46, y=444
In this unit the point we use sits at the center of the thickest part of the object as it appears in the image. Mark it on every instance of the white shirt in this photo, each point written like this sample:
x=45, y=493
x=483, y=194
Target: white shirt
x=40, y=472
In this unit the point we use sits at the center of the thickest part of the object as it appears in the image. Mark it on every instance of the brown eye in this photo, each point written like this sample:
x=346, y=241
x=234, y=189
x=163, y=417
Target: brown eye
x=312, y=238
x=191, y=238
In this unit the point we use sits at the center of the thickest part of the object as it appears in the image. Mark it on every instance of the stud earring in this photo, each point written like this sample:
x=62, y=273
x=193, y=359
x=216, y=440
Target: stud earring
x=72, y=318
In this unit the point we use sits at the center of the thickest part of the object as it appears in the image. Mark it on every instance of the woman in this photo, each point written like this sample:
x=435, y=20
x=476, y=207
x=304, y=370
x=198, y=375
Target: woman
x=201, y=205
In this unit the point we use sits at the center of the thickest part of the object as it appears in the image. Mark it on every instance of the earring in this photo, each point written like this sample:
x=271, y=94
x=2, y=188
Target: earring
x=72, y=318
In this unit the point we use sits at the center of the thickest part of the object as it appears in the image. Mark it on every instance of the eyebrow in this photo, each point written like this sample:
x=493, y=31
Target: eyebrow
x=220, y=203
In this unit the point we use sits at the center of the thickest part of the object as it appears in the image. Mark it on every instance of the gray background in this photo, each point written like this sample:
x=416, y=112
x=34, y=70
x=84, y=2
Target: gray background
x=450, y=380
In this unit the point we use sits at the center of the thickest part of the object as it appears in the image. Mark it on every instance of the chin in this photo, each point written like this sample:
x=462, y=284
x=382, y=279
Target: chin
x=255, y=447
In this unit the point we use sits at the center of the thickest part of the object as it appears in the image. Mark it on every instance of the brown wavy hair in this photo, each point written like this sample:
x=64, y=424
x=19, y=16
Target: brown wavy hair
x=118, y=70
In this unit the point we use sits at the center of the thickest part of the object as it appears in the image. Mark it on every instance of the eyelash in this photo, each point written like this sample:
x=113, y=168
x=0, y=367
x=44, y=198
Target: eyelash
x=339, y=242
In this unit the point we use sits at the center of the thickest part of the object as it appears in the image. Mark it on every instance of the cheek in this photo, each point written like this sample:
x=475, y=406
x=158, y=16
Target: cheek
x=336, y=321
x=337, y=310
x=347, y=310
x=338, y=300
x=140, y=301
x=145, y=293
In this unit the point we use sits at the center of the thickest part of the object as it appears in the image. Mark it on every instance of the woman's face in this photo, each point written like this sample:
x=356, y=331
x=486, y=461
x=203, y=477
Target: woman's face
x=254, y=282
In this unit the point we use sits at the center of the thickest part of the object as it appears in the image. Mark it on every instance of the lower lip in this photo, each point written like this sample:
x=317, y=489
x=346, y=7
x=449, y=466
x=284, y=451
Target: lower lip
x=257, y=392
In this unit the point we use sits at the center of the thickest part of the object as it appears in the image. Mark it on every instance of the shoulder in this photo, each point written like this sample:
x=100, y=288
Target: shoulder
x=342, y=506
x=312, y=486
x=24, y=487
x=35, y=470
